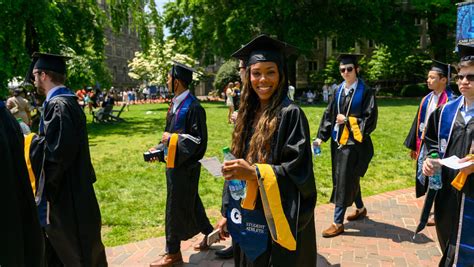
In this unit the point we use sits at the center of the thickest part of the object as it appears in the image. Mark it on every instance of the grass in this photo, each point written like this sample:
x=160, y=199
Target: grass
x=132, y=193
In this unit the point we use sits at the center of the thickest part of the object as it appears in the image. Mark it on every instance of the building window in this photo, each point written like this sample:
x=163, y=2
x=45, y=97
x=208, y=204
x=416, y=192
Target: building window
x=313, y=66
x=371, y=44
x=118, y=50
x=316, y=43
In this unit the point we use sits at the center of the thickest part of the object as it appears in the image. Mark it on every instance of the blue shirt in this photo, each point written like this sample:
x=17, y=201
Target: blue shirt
x=467, y=112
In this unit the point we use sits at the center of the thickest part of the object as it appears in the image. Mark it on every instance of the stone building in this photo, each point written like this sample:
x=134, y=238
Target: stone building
x=120, y=48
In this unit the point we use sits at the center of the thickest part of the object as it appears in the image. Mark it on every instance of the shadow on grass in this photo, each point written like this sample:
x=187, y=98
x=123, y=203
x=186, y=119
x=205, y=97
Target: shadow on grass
x=371, y=228
x=130, y=126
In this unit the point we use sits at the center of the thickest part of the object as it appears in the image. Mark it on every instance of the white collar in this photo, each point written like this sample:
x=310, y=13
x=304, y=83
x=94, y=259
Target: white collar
x=50, y=93
x=353, y=86
x=178, y=99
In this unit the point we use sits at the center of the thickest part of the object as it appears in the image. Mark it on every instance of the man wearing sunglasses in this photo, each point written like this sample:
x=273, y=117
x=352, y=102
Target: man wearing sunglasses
x=437, y=81
x=348, y=120
x=450, y=132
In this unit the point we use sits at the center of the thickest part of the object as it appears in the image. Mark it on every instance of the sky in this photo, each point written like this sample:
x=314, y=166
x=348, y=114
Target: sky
x=160, y=4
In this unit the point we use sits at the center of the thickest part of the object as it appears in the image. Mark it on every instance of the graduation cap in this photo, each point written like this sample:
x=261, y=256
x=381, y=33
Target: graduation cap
x=182, y=72
x=441, y=67
x=46, y=61
x=52, y=62
x=349, y=58
x=264, y=49
x=466, y=52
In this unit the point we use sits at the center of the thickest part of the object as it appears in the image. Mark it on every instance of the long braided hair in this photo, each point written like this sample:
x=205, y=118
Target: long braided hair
x=259, y=148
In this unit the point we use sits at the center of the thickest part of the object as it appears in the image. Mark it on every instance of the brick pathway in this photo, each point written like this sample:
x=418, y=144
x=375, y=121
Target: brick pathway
x=384, y=238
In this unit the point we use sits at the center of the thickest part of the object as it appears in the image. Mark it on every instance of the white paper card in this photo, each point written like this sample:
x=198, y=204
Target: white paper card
x=212, y=165
x=453, y=163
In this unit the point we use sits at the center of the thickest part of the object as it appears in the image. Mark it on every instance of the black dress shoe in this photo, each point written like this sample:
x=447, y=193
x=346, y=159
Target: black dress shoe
x=227, y=253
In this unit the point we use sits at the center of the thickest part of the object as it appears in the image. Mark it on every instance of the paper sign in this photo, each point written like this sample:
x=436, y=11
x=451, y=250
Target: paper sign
x=212, y=165
x=453, y=163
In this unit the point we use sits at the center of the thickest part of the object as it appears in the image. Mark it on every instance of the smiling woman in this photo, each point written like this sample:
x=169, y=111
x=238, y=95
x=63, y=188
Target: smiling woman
x=276, y=164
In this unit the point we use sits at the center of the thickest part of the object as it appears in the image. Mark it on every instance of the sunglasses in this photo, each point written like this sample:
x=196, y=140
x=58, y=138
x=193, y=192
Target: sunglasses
x=469, y=77
x=349, y=69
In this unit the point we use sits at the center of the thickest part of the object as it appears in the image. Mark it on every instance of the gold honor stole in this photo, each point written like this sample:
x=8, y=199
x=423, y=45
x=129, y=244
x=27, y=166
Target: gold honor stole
x=355, y=131
x=271, y=201
x=461, y=178
x=172, y=146
x=31, y=174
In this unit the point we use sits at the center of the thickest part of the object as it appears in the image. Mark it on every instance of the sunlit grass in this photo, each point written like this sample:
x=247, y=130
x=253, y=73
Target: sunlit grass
x=132, y=193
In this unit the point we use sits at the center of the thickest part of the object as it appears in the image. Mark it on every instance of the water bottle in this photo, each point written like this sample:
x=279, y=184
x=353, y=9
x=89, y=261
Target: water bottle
x=316, y=149
x=236, y=187
x=435, y=181
x=24, y=127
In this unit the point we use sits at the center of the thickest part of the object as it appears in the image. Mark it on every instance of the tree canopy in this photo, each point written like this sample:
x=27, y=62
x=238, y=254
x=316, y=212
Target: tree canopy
x=74, y=28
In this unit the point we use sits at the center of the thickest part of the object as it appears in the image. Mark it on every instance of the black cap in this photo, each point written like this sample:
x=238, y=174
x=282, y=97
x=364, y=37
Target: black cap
x=441, y=67
x=264, y=49
x=349, y=58
x=466, y=52
x=52, y=62
x=182, y=72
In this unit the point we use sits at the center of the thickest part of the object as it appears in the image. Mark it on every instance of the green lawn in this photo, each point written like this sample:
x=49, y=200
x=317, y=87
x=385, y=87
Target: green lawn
x=132, y=193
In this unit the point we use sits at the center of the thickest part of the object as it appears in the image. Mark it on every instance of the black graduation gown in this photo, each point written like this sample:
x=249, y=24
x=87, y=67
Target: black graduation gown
x=410, y=143
x=75, y=221
x=185, y=213
x=448, y=199
x=292, y=163
x=21, y=237
x=351, y=161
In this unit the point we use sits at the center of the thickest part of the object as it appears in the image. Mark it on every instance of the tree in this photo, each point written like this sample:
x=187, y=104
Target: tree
x=379, y=65
x=69, y=27
x=153, y=66
x=226, y=73
x=441, y=17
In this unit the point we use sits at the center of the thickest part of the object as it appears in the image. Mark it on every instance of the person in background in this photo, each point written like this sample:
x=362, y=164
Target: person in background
x=440, y=94
x=275, y=162
x=349, y=120
x=19, y=106
x=236, y=98
x=291, y=92
x=67, y=204
x=185, y=139
x=229, y=93
x=22, y=242
x=449, y=132
x=326, y=93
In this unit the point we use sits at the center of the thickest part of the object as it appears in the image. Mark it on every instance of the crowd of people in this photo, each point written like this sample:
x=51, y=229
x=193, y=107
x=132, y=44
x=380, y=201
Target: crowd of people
x=55, y=218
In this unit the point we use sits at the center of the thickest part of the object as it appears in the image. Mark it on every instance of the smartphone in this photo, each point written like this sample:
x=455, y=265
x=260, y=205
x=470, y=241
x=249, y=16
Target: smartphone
x=213, y=237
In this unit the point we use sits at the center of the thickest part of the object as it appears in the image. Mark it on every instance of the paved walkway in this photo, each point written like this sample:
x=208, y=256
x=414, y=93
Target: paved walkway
x=384, y=238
